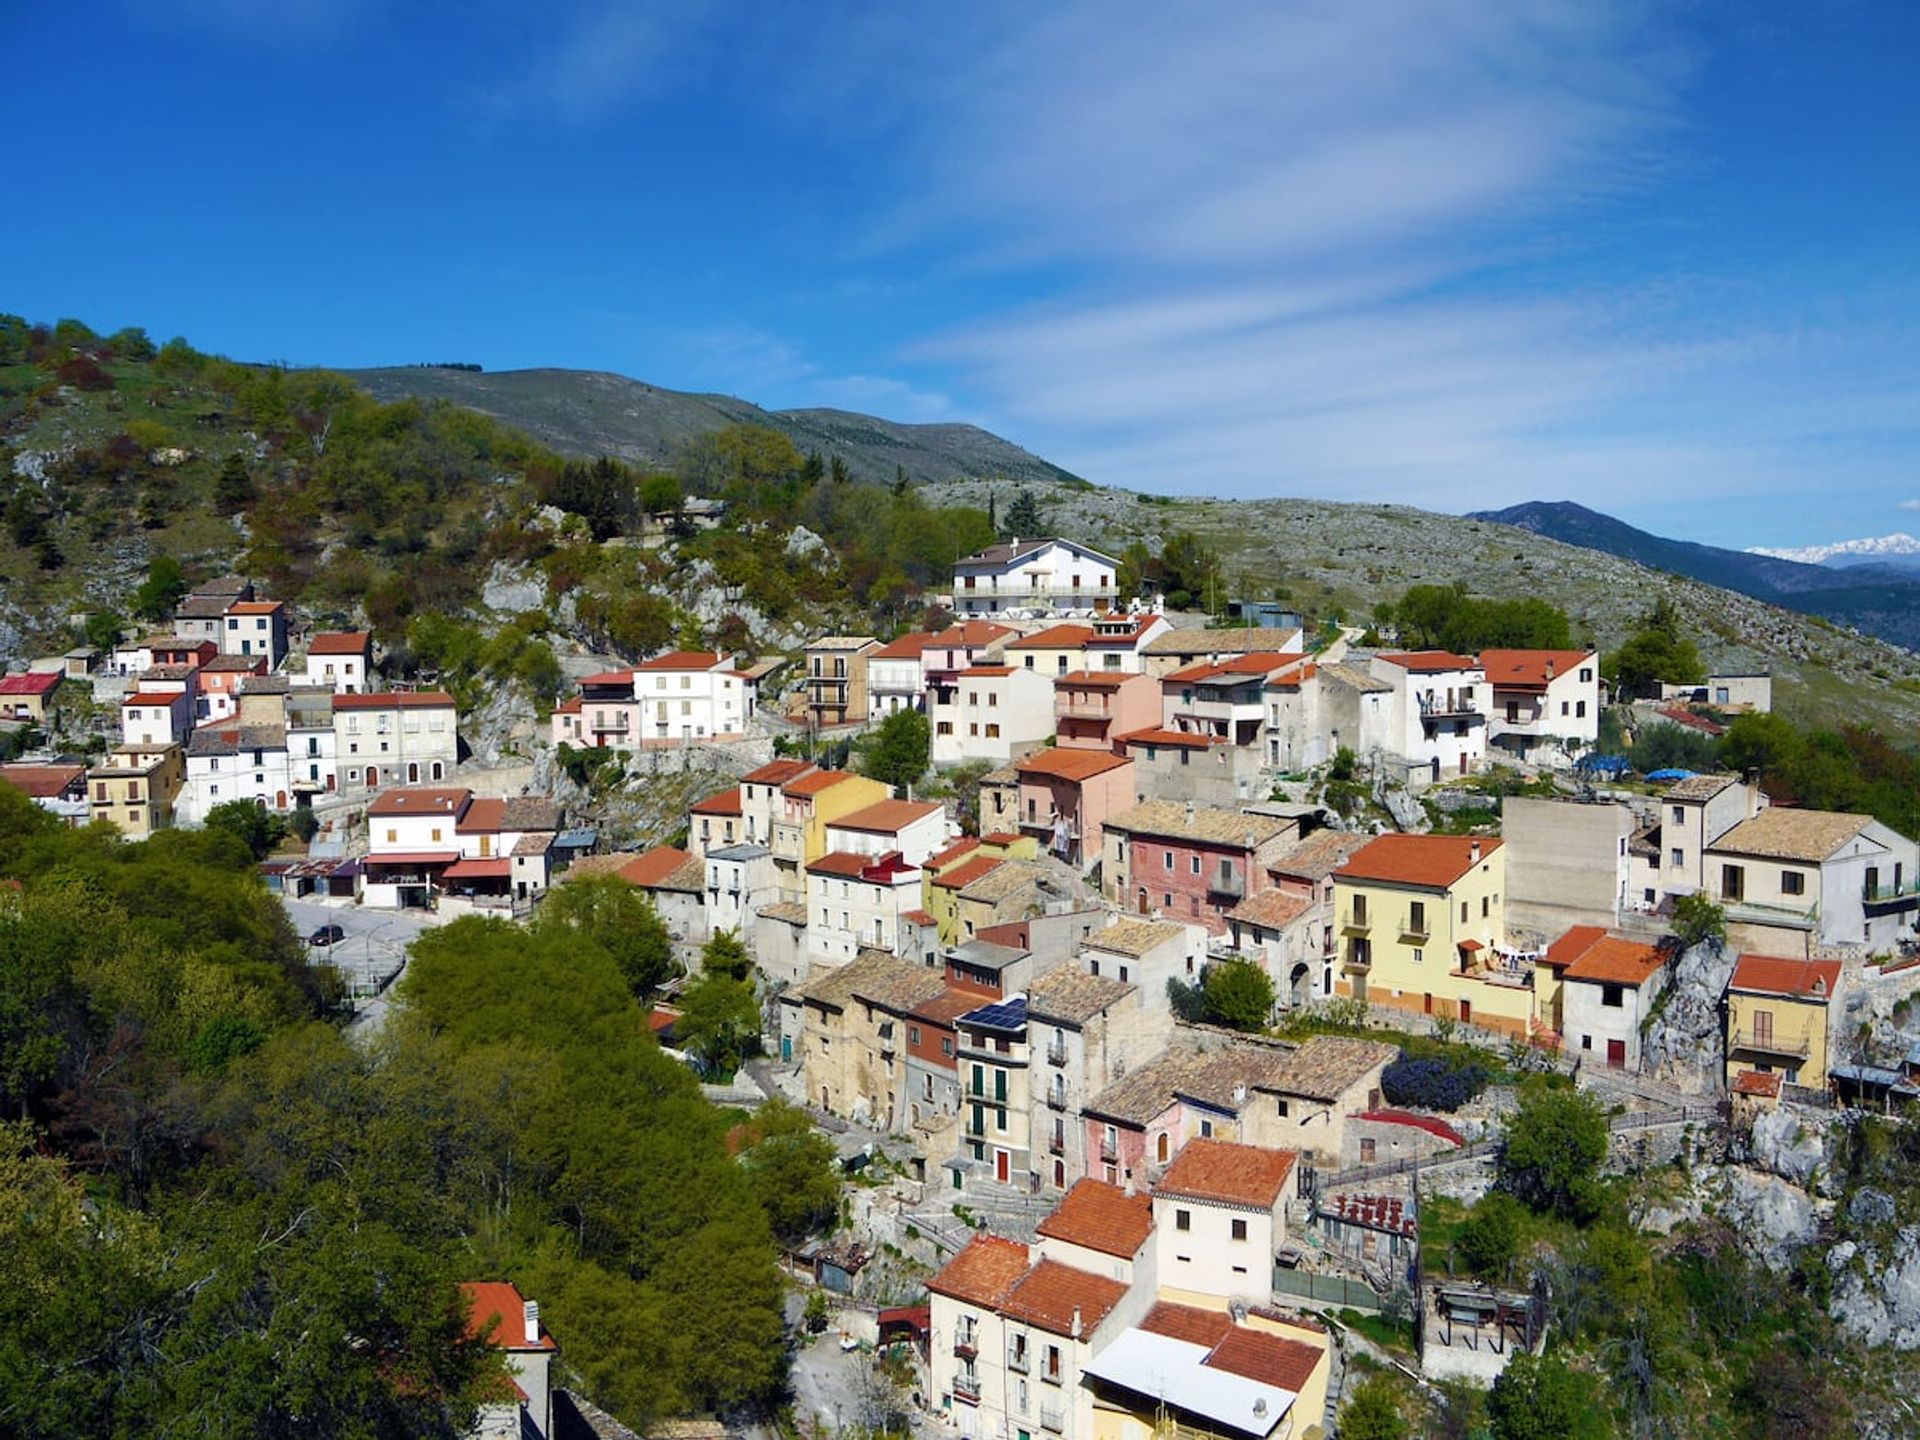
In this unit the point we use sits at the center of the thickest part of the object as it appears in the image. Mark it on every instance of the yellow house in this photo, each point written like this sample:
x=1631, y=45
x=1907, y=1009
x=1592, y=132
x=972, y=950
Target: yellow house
x=1055, y=651
x=1421, y=921
x=1777, y=1018
x=945, y=875
x=136, y=790
x=800, y=820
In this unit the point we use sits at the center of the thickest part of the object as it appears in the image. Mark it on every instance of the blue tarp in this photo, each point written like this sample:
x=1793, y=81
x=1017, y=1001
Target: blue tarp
x=1662, y=776
x=1604, y=764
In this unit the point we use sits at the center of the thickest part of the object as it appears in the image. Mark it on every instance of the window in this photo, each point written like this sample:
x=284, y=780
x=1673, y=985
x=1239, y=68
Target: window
x=1792, y=882
x=1284, y=1111
x=1367, y=1150
x=1419, y=957
x=391, y=837
x=1463, y=912
x=1613, y=996
x=1162, y=1147
x=1679, y=815
x=1206, y=1129
x=1239, y=1229
x=1586, y=674
x=1166, y=860
x=1486, y=906
x=993, y=731
x=1183, y=1220
x=946, y=1045
x=1675, y=858
x=1193, y=864
x=1586, y=1042
x=1580, y=709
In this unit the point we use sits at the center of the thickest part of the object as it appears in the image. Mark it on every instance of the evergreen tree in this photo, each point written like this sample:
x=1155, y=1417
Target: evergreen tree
x=841, y=475
x=812, y=471
x=233, y=491
x=1024, y=519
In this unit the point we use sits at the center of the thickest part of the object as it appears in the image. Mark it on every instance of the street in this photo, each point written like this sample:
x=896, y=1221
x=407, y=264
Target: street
x=371, y=956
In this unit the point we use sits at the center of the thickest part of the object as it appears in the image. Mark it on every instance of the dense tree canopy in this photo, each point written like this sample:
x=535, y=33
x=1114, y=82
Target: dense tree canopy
x=1447, y=617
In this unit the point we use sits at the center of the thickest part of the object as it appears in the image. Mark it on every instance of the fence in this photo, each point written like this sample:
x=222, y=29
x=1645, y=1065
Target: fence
x=1334, y=1290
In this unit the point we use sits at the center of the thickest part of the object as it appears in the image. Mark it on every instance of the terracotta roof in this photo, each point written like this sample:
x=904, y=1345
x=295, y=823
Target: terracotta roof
x=489, y=1301
x=1053, y=1297
x=1188, y=1323
x=1092, y=680
x=473, y=868
x=149, y=697
x=1271, y=909
x=395, y=700
x=1235, y=670
x=1201, y=823
x=721, y=802
x=1103, y=1217
x=1699, y=787
x=1220, y=642
x=340, y=642
x=886, y=817
x=907, y=647
x=1268, y=1358
x=1180, y=739
x=983, y=1272
x=1327, y=1066
x=970, y=633
x=684, y=660
x=1688, y=720
x=514, y=812
x=1427, y=662
x=1231, y=1174
x=968, y=871
x=446, y=800
x=36, y=682
x=777, y=772
x=1075, y=765
x=1431, y=862
x=959, y=849
x=1070, y=996
x=1133, y=937
x=816, y=782
x=918, y=917
x=1754, y=1082
x=43, y=782
x=1799, y=979
x=1781, y=833
x=255, y=607
x=653, y=866
x=988, y=672
x=1055, y=637
x=946, y=1007
x=1527, y=669
x=843, y=863
x=1319, y=855
x=1614, y=961
x=1572, y=945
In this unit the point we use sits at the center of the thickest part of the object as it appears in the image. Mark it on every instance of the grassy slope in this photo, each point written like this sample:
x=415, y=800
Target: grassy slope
x=586, y=412
x=1329, y=555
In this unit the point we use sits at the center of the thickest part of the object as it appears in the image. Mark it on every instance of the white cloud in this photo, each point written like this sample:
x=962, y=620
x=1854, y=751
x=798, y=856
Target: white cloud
x=1910, y=504
x=777, y=374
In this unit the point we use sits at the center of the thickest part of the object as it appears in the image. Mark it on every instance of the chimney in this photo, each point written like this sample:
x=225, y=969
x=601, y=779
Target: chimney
x=1128, y=1187
x=1549, y=668
x=1473, y=853
x=1190, y=812
x=531, y=1311
x=1076, y=1322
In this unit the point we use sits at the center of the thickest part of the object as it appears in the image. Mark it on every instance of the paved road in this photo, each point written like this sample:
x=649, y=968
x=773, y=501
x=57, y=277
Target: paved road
x=373, y=953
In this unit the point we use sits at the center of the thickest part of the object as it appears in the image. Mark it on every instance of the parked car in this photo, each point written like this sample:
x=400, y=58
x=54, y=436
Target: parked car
x=327, y=935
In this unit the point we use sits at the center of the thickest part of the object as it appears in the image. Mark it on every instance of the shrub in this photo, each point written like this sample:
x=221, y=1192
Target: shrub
x=1431, y=1084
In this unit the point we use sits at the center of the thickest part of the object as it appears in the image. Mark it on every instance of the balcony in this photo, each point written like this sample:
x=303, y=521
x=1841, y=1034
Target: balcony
x=1018, y=1362
x=966, y=1345
x=1057, y=1145
x=1356, y=922
x=967, y=1388
x=1052, y=1418
x=1230, y=885
x=1891, y=897
x=1109, y=1150
x=1452, y=704
x=1754, y=912
x=1415, y=927
x=1770, y=1042
x=789, y=842
x=1056, y=1053
x=1359, y=957
x=1056, y=1097
x=1047, y=822
x=610, y=727
x=1082, y=710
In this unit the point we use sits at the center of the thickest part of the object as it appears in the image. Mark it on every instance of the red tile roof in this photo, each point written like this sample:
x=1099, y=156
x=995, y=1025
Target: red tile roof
x=43, y=782
x=1092, y=680
x=946, y=1007
x=1102, y=1217
x=1572, y=945
x=36, y=682
x=1800, y=979
x=816, y=782
x=421, y=800
x=1155, y=736
x=1614, y=961
x=1189, y=1323
x=653, y=866
x=1055, y=637
x=983, y=1272
x=965, y=874
x=340, y=642
x=488, y=1301
x=1268, y=1358
x=684, y=660
x=1527, y=669
x=1754, y=1082
x=255, y=607
x=887, y=817
x=1075, y=765
x=1056, y=1297
x=1430, y=661
x=1433, y=862
x=1239, y=667
x=1230, y=1173
x=907, y=647
x=986, y=672
x=777, y=772
x=721, y=802
x=1687, y=720
x=840, y=862
x=153, y=697
x=971, y=632
x=958, y=850
x=473, y=868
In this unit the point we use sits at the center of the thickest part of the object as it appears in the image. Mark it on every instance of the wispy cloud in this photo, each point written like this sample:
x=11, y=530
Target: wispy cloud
x=775, y=372
x=1910, y=504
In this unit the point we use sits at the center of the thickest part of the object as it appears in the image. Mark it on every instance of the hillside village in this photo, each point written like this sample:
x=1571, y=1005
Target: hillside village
x=1111, y=1192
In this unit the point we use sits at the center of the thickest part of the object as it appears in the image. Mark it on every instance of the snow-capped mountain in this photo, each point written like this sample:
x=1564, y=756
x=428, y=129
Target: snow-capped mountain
x=1847, y=552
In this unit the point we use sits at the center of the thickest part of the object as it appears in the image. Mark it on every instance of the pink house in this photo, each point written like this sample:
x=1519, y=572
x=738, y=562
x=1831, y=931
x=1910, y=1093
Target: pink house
x=1191, y=862
x=1092, y=709
x=961, y=647
x=1067, y=796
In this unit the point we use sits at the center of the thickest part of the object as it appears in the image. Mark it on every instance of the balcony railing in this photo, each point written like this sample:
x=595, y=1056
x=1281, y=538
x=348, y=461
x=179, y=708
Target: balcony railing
x=1056, y=1097
x=1018, y=1362
x=1356, y=922
x=1414, y=927
x=967, y=1388
x=610, y=727
x=1082, y=710
x=1048, y=822
x=789, y=842
x=1902, y=895
x=1358, y=959
x=1052, y=1419
x=1109, y=1150
x=1438, y=707
x=1057, y=1145
x=966, y=1345
x=1772, y=1042
x=1056, y=1053
x=1795, y=917
x=985, y=1095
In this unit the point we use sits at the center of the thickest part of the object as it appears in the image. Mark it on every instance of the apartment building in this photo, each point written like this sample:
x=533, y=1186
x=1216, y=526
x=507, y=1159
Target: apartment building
x=835, y=679
x=1035, y=579
x=406, y=737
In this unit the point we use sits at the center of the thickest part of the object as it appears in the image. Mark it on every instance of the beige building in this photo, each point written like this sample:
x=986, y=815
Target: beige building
x=1085, y=1031
x=836, y=679
x=138, y=787
x=846, y=1027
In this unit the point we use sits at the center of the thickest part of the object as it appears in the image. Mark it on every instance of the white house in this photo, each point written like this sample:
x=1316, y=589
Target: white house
x=395, y=738
x=991, y=712
x=341, y=661
x=1219, y=1217
x=856, y=902
x=1440, y=712
x=682, y=696
x=235, y=762
x=1120, y=641
x=255, y=627
x=1035, y=579
x=1542, y=694
x=740, y=879
x=914, y=829
x=896, y=679
x=156, y=715
x=1606, y=995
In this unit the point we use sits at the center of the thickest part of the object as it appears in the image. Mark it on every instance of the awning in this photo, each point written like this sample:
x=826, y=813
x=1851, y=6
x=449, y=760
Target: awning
x=1470, y=945
x=414, y=857
x=479, y=870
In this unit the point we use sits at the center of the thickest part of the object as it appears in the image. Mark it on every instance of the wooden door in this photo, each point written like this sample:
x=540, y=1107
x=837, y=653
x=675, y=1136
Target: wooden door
x=1616, y=1054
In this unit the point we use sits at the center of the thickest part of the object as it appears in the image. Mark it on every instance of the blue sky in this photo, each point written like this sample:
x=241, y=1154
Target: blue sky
x=1660, y=259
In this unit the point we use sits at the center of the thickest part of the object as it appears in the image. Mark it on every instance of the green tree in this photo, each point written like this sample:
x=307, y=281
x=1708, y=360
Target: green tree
x=1696, y=918
x=1239, y=993
x=660, y=494
x=1373, y=1412
x=1490, y=1239
x=1658, y=650
x=40, y=1005
x=617, y=918
x=795, y=1170
x=719, y=1021
x=233, y=491
x=1024, y=518
x=898, y=752
x=103, y=630
x=1555, y=1142
x=1538, y=1397
x=1767, y=743
x=724, y=954
x=255, y=826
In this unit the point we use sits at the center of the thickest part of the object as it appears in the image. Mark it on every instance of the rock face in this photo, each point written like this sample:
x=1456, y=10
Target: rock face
x=511, y=589
x=1682, y=1045
x=1876, y=1289
x=1773, y=1219
x=1789, y=1146
x=501, y=729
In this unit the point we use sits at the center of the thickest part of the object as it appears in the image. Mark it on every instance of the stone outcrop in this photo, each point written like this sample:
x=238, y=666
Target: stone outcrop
x=1682, y=1047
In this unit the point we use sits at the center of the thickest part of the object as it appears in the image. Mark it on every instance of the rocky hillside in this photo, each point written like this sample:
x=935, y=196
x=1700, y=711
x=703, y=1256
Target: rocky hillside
x=587, y=412
x=1326, y=556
